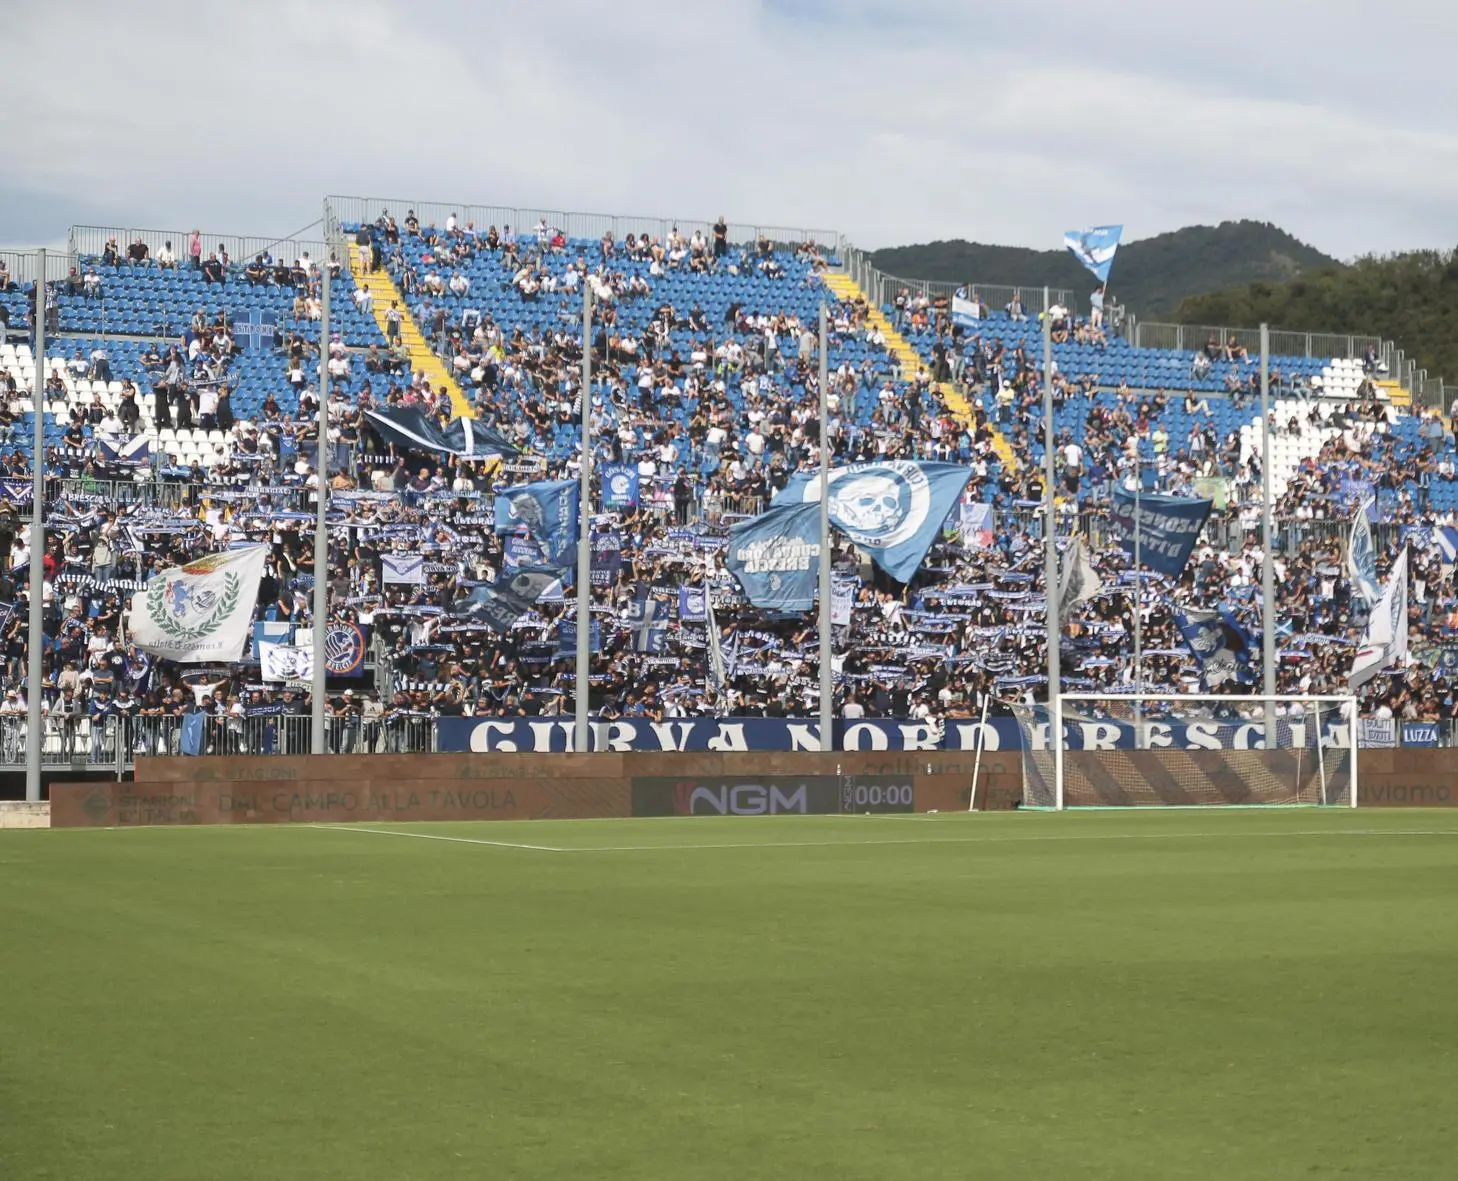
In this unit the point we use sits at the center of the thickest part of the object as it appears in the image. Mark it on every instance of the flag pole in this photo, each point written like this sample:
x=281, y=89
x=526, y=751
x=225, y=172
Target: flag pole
x=584, y=543
x=35, y=637
x=317, y=744
x=1268, y=566
x=827, y=683
x=1050, y=520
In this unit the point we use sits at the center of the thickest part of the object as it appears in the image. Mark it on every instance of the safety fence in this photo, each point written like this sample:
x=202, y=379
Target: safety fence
x=114, y=743
x=522, y=221
x=90, y=241
x=881, y=289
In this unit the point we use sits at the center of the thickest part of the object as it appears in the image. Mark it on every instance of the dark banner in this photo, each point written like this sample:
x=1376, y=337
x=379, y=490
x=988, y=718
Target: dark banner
x=770, y=795
x=1167, y=527
x=492, y=735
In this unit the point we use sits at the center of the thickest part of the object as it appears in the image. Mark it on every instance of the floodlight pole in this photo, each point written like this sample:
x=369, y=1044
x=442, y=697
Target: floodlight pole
x=35, y=638
x=827, y=674
x=1268, y=561
x=1050, y=520
x=584, y=535
x=317, y=744
x=1138, y=595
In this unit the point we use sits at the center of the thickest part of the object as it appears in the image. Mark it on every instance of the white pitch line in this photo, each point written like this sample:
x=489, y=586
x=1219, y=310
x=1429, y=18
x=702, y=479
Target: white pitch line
x=434, y=836
x=999, y=840
x=968, y=840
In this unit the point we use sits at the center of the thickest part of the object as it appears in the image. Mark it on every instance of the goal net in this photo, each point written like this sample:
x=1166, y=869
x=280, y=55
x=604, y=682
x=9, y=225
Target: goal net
x=1125, y=751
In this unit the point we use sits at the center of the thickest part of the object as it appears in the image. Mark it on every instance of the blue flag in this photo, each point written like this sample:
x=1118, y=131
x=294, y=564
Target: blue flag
x=255, y=329
x=567, y=638
x=620, y=487
x=1220, y=643
x=500, y=605
x=192, y=734
x=775, y=556
x=893, y=509
x=547, y=511
x=1095, y=248
x=1168, y=528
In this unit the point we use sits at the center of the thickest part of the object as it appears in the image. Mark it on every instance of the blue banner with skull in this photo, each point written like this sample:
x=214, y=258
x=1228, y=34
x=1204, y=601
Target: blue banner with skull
x=892, y=509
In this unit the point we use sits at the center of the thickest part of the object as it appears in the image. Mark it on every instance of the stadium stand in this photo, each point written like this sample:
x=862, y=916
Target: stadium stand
x=180, y=398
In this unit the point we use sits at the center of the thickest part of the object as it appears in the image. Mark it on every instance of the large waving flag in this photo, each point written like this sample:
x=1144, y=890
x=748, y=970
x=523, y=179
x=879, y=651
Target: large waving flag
x=1386, y=629
x=202, y=612
x=1095, y=248
x=1362, y=557
x=892, y=509
x=548, y=510
x=1079, y=581
x=415, y=430
x=500, y=604
x=1220, y=643
x=775, y=556
x=1168, y=527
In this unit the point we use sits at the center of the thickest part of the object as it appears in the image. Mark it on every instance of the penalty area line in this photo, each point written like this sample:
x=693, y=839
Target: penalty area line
x=435, y=836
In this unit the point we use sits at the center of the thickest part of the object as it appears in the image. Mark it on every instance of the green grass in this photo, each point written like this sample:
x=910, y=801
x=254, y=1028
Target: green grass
x=1168, y=995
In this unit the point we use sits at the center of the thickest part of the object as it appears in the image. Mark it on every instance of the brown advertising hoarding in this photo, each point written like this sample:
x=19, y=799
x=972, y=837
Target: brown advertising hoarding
x=526, y=786
x=341, y=788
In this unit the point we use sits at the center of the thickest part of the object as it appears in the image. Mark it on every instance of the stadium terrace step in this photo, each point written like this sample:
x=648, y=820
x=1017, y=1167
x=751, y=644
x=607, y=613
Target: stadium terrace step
x=1399, y=396
x=844, y=287
x=423, y=358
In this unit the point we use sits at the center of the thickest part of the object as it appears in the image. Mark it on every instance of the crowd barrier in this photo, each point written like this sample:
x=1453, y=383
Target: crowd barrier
x=117, y=744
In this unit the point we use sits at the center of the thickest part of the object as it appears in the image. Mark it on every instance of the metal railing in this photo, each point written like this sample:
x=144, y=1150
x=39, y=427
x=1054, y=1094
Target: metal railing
x=1192, y=337
x=114, y=744
x=90, y=241
x=341, y=211
x=881, y=288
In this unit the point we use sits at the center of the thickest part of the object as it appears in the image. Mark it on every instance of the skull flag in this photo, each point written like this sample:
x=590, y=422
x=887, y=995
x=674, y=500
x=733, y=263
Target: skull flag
x=892, y=509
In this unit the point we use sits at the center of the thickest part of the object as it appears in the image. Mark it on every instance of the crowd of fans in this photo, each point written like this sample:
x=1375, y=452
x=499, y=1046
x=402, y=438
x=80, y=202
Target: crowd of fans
x=712, y=413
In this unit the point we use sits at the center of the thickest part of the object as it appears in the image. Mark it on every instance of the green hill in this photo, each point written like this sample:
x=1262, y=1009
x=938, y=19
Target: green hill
x=1151, y=276
x=1411, y=299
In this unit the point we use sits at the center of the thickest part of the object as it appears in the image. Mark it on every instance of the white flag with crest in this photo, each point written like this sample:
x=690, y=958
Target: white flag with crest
x=202, y=612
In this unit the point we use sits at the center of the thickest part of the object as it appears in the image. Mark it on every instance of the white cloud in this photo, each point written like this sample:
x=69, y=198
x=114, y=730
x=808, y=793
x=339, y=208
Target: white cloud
x=891, y=123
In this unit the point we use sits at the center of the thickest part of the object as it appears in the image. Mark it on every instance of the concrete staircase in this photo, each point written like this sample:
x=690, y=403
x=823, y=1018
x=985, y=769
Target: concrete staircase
x=843, y=287
x=422, y=357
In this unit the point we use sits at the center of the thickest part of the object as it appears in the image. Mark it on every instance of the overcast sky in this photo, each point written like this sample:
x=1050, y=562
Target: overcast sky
x=892, y=122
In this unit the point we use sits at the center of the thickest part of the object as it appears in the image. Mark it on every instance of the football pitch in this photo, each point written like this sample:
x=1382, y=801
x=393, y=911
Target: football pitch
x=1163, y=995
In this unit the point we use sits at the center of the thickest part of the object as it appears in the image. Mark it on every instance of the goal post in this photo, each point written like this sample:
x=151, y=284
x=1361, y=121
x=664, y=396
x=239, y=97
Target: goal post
x=1089, y=750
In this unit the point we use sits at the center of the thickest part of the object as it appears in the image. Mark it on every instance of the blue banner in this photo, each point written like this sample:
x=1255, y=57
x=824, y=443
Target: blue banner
x=522, y=551
x=1095, y=247
x=487, y=735
x=1420, y=734
x=607, y=558
x=893, y=509
x=1168, y=528
x=775, y=556
x=692, y=605
x=620, y=486
x=567, y=638
x=547, y=511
